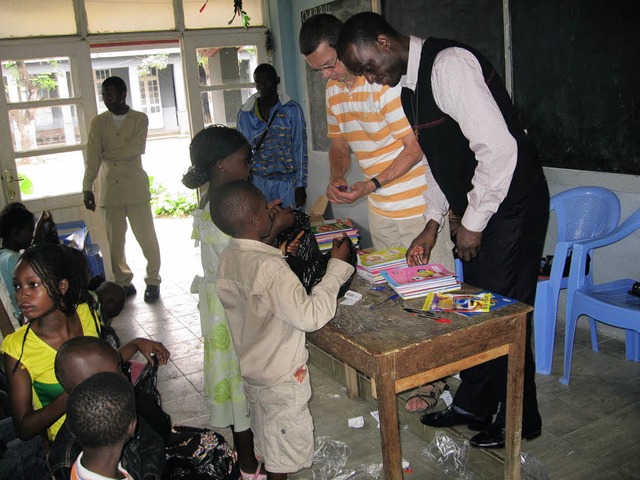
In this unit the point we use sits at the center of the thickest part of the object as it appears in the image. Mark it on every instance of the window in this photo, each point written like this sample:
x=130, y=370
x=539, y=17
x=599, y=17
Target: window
x=226, y=76
x=44, y=125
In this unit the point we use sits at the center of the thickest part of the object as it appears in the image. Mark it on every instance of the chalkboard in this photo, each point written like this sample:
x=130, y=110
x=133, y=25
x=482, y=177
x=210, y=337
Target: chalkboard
x=577, y=82
x=343, y=9
x=477, y=23
x=576, y=74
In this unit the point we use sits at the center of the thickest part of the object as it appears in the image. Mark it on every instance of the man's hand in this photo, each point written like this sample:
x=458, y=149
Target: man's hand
x=300, y=195
x=420, y=249
x=454, y=223
x=89, y=201
x=339, y=192
x=337, y=186
x=361, y=189
x=467, y=243
x=340, y=248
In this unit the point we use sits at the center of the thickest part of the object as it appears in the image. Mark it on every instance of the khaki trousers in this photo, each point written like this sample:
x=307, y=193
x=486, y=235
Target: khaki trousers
x=141, y=221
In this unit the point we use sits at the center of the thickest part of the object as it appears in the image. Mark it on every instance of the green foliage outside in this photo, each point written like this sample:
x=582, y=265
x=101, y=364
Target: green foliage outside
x=26, y=185
x=171, y=203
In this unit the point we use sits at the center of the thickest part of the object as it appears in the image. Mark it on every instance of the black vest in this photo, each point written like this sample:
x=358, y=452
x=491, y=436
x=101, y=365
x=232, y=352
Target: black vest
x=447, y=150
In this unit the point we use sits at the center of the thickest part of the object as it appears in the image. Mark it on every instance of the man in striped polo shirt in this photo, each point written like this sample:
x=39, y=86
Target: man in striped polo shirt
x=369, y=121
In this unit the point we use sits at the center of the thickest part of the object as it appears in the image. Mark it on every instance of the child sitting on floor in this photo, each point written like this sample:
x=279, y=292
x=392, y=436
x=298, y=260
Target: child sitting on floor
x=269, y=311
x=77, y=360
x=16, y=230
x=101, y=413
x=50, y=283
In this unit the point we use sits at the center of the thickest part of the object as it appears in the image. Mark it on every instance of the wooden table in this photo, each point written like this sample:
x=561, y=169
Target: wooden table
x=399, y=351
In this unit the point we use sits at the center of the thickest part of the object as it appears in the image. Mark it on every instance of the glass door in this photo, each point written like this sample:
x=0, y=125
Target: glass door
x=150, y=101
x=47, y=97
x=219, y=72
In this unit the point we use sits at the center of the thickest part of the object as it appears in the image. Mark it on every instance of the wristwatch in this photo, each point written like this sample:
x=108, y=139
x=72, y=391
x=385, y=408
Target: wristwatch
x=376, y=182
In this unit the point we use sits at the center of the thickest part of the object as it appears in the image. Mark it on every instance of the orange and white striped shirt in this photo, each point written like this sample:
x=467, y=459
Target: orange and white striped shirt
x=372, y=121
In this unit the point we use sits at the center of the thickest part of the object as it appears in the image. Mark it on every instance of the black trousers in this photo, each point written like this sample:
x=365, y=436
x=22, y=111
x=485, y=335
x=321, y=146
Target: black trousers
x=508, y=264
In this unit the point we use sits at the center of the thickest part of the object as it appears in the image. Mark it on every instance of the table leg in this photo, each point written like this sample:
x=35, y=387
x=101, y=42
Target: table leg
x=389, y=430
x=351, y=381
x=515, y=382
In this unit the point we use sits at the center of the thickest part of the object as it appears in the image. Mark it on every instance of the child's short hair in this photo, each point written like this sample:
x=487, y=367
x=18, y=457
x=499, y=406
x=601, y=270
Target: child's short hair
x=100, y=410
x=53, y=262
x=74, y=352
x=232, y=205
x=15, y=216
x=208, y=147
x=112, y=297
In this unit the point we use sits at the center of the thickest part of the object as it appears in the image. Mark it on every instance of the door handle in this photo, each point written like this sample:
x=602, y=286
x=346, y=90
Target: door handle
x=10, y=182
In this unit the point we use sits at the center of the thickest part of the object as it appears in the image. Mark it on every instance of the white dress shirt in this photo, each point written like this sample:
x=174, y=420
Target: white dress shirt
x=460, y=91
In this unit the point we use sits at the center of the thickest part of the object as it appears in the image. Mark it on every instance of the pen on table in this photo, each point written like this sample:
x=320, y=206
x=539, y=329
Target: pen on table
x=390, y=297
x=426, y=314
x=419, y=310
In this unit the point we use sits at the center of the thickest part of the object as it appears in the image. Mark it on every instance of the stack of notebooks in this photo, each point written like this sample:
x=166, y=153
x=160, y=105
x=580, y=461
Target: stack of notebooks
x=328, y=229
x=419, y=281
x=371, y=265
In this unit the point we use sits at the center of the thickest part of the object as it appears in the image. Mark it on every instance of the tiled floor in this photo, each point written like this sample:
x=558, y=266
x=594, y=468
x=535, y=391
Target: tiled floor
x=591, y=427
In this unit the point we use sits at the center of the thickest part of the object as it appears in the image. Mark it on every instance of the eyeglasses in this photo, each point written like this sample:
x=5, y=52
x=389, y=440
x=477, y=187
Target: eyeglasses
x=328, y=67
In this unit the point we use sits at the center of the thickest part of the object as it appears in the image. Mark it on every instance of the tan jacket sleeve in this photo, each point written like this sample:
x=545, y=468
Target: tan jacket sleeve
x=288, y=299
x=93, y=157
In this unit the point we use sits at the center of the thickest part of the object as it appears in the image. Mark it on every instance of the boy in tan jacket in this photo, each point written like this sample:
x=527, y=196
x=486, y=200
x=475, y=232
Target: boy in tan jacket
x=269, y=311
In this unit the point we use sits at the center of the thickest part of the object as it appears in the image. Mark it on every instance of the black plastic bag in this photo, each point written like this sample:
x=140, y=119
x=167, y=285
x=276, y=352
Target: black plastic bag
x=45, y=230
x=149, y=403
x=310, y=264
x=199, y=454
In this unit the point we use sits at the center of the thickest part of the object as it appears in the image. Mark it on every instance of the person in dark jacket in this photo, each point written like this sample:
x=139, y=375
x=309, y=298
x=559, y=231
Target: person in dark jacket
x=489, y=175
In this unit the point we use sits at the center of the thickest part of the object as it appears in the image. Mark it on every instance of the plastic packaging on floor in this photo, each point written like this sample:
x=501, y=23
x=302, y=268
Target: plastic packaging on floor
x=450, y=455
x=329, y=462
x=532, y=467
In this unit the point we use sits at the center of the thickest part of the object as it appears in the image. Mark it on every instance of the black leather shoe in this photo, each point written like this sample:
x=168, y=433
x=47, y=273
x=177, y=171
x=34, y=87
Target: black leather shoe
x=129, y=290
x=493, y=437
x=451, y=418
x=151, y=293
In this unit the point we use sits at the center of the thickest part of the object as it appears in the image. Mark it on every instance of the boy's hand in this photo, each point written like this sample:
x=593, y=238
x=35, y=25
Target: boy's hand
x=340, y=249
x=291, y=248
x=148, y=347
x=281, y=218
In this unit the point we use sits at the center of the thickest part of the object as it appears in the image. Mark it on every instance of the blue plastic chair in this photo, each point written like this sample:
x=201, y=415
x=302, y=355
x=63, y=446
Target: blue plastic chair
x=609, y=303
x=582, y=213
x=91, y=250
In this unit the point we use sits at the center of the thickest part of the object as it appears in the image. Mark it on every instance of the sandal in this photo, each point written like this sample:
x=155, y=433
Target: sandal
x=429, y=394
x=253, y=476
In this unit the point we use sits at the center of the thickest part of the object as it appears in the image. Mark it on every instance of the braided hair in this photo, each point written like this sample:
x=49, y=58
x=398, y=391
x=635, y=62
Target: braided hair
x=53, y=262
x=208, y=147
